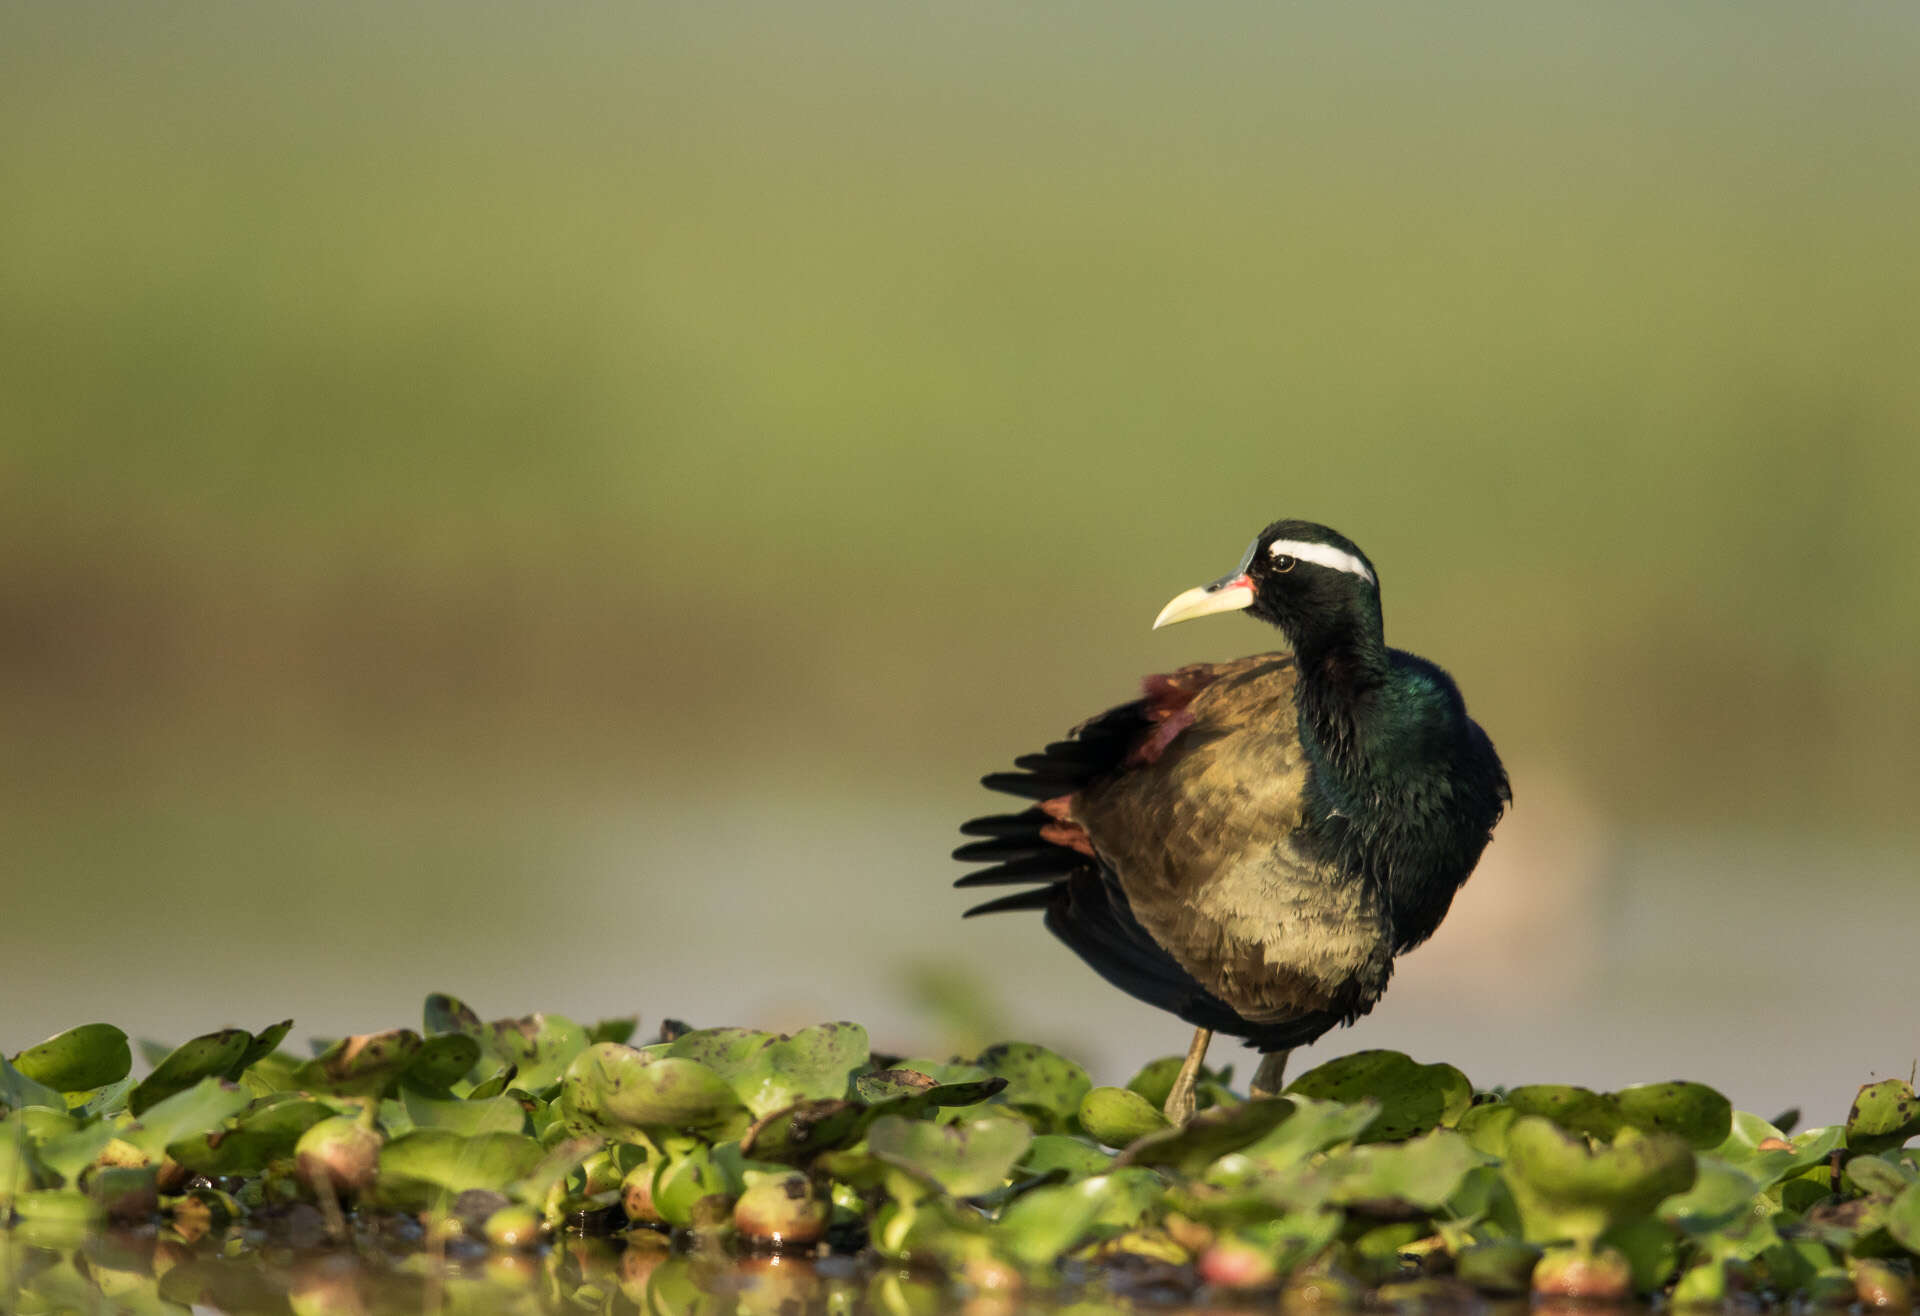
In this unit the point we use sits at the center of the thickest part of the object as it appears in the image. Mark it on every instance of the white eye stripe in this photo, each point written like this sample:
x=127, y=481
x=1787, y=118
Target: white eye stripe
x=1321, y=555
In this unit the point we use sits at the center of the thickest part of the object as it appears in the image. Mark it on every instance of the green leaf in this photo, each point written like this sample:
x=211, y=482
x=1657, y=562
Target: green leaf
x=1903, y=1218
x=1039, y=1226
x=1691, y=1111
x=18, y=1092
x=923, y=1090
x=208, y=1056
x=195, y=1111
x=1118, y=1116
x=965, y=1159
x=1742, y=1149
x=1189, y=1148
x=263, y=1044
x=812, y=1065
x=1577, y=1109
x=615, y=1089
x=1721, y=1196
x=1868, y=1175
x=770, y=1072
x=539, y=1046
x=1413, y=1097
x=469, y=1117
x=365, y=1064
x=448, y=1014
x=619, y=1030
x=443, y=1060
x=1313, y=1127
x=418, y=1168
x=1423, y=1171
x=1065, y=1155
x=1038, y=1081
x=685, y=1179
x=1884, y=1116
x=799, y=1133
x=90, y=1056
x=266, y=1131
x=1566, y=1190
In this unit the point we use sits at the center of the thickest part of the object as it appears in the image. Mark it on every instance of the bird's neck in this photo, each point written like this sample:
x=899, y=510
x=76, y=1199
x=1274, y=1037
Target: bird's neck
x=1343, y=675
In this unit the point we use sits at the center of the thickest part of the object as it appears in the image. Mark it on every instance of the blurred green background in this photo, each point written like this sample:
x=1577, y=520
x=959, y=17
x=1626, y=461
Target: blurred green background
x=558, y=506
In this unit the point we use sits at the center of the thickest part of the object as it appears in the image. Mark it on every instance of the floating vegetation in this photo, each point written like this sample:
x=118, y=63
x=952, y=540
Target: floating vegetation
x=731, y=1167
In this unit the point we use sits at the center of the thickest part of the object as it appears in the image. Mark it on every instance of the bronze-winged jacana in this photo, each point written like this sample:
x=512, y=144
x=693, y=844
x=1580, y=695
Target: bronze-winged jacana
x=1250, y=843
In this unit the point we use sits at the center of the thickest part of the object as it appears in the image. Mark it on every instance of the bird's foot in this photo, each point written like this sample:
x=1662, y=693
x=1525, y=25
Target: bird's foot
x=1180, y=1101
x=1271, y=1076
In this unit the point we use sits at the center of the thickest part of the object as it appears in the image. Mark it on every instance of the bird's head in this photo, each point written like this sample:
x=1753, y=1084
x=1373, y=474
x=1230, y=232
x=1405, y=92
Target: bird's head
x=1304, y=578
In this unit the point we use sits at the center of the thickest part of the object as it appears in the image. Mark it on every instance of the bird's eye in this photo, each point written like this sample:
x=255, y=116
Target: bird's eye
x=1283, y=563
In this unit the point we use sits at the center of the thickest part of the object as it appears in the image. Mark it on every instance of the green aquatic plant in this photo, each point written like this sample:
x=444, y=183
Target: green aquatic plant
x=563, y=1162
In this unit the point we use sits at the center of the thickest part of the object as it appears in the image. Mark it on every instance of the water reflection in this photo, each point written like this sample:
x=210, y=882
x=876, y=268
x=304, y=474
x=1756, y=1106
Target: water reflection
x=146, y=1271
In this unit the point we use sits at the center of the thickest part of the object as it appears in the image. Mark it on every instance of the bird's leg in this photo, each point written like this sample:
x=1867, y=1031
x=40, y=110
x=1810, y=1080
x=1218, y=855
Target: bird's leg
x=1179, y=1107
x=1272, y=1074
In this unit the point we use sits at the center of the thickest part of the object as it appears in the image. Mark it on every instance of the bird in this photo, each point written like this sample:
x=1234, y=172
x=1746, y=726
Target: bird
x=1249, y=844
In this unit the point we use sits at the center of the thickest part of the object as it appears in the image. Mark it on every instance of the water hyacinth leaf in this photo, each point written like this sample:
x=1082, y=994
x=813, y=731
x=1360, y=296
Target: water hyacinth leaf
x=18, y=1092
x=109, y=1100
x=17, y=1173
x=1423, y=1171
x=199, y=1110
x=811, y=1065
x=923, y=1089
x=1413, y=1097
x=1653, y=1250
x=1565, y=1190
x=1691, y=1111
x=363, y=1064
x=1118, y=1116
x=1128, y=1197
x=68, y=1153
x=1577, y=1109
x=468, y=1117
x=1884, y=1116
x=801, y=1132
x=1209, y=1135
x=263, y=1133
x=1485, y=1126
x=449, y=1014
x=1869, y=1175
x=494, y=1085
x=556, y=1162
x=263, y=1044
x=208, y=1056
x=417, y=1168
x=616, y=1089
x=1761, y=1152
x=78, y=1060
x=687, y=1179
x=726, y=1051
x=1038, y=1226
x=965, y=1159
x=1313, y=1127
x=1720, y=1198
x=943, y=1071
x=1065, y=1156
x=619, y=1030
x=1903, y=1218
x=538, y=1046
x=1500, y=1266
x=1039, y=1081
x=442, y=1061
x=770, y=1072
